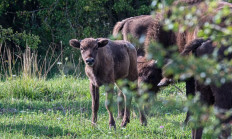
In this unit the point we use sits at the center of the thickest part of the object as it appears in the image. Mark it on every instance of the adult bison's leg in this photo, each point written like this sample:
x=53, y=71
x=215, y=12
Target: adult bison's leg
x=190, y=91
x=197, y=133
x=206, y=98
x=109, y=105
x=121, y=104
x=223, y=101
x=95, y=102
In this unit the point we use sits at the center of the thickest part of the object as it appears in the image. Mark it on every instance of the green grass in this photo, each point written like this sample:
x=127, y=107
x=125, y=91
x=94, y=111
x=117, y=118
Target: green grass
x=61, y=108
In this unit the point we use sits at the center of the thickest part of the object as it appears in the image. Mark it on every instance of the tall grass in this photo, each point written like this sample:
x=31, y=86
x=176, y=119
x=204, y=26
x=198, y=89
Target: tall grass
x=27, y=62
x=41, y=89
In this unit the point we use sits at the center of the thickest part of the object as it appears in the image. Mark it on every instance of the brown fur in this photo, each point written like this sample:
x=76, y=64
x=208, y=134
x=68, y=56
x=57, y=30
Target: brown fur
x=156, y=33
x=149, y=73
x=183, y=39
x=221, y=96
x=107, y=61
x=169, y=38
x=136, y=26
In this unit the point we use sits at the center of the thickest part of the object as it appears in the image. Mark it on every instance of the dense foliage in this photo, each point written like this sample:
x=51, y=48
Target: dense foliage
x=54, y=20
x=50, y=24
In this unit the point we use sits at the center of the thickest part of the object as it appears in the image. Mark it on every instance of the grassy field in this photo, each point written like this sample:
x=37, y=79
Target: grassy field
x=61, y=108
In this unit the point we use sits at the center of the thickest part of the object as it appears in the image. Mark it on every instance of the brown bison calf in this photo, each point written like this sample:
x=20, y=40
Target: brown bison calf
x=107, y=61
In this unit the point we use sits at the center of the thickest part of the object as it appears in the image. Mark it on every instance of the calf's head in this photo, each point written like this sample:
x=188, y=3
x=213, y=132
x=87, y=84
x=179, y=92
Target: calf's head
x=89, y=48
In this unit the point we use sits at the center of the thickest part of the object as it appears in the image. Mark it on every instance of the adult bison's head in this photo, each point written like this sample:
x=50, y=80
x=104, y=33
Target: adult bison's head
x=89, y=48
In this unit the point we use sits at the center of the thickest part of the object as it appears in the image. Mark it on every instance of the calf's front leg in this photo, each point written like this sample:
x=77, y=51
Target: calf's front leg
x=94, y=90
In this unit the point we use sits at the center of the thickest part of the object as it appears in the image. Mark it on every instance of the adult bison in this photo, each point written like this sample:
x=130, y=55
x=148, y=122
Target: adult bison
x=136, y=26
x=107, y=61
x=209, y=94
x=155, y=31
x=212, y=94
x=149, y=73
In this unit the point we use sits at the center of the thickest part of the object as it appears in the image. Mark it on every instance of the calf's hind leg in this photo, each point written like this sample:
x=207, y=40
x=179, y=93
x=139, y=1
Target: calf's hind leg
x=126, y=117
x=109, y=105
x=121, y=104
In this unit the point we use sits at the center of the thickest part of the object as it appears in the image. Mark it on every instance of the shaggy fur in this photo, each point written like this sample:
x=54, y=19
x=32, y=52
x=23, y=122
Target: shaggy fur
x=156, y=33
x=107, y=61
x=169, y=38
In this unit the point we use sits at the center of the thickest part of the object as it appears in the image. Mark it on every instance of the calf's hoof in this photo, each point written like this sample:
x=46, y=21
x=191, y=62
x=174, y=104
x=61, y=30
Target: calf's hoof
x=94, y=124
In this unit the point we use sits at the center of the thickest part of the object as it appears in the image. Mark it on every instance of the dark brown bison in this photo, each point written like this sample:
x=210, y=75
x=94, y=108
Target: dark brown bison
x=148, y=71
x=107, y=61
x=220, y=97
x=155, y=32
x=136, y=27
x=169, y=38
x=183, y=41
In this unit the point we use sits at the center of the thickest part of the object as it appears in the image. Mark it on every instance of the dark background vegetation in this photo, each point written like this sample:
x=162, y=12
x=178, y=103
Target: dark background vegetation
x=52, y=23
x=46, y=26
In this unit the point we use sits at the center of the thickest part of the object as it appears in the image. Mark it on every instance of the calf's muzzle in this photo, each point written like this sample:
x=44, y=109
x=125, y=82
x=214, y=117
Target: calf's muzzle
x=89, y=61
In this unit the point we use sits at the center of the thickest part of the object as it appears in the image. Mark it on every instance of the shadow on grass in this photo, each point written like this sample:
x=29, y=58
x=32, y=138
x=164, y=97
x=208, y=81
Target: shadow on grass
x=63, y=107
x=36, y=130
x=73, y=107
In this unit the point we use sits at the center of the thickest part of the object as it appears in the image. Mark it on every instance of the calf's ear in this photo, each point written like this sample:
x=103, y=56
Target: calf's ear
x=74, y=43
x=102, y=42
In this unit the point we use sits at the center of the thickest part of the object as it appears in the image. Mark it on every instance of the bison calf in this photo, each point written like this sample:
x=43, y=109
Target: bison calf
x=107, y=61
